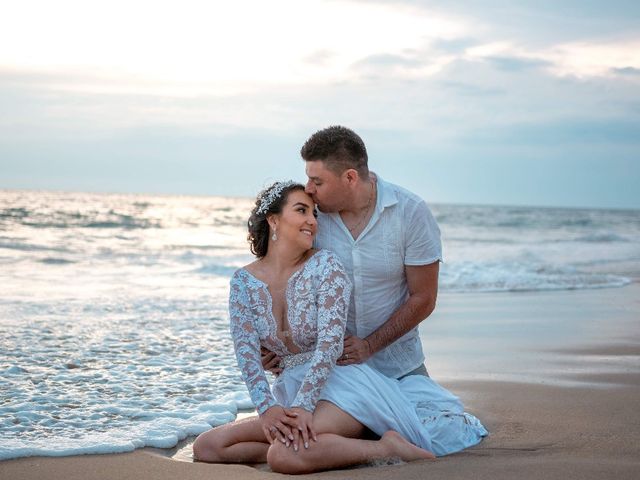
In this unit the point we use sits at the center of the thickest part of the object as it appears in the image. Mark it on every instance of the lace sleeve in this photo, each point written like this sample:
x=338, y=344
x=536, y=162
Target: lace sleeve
x=333, y=305
x=247, y=346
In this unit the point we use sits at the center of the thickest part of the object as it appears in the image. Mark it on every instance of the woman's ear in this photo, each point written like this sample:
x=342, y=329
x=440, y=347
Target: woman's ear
x=272, y=220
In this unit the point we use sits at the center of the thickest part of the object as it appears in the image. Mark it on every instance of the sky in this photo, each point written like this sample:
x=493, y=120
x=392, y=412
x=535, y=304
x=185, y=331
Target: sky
x=473, y=102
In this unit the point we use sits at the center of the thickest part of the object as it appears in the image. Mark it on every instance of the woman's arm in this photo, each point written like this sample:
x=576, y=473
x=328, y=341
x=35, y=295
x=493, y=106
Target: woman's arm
x=246, y=342
x=332, y=299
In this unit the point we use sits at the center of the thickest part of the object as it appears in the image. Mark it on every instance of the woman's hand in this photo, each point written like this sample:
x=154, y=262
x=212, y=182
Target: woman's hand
x=302, y=426
x=274, y=422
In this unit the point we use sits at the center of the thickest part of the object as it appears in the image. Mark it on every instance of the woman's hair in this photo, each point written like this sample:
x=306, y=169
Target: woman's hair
x=268, y=202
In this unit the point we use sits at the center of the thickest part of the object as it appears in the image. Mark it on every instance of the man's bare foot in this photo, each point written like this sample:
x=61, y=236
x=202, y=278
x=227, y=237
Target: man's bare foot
x=399, y=447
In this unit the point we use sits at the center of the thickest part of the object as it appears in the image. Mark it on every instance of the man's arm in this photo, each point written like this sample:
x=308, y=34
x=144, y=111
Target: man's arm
x=423, y=290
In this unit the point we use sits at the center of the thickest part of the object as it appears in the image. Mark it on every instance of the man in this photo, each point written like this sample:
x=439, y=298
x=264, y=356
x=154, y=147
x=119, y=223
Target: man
x=389, y=243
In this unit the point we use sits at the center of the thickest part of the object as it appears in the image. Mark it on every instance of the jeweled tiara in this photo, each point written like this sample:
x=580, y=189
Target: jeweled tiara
x=272, y=194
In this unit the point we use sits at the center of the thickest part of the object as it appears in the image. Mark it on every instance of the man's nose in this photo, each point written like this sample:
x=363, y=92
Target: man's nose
x=309, y=188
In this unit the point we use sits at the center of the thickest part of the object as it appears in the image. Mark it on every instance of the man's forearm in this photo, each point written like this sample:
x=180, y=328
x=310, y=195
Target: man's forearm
x=422, y=282
x=404, y=319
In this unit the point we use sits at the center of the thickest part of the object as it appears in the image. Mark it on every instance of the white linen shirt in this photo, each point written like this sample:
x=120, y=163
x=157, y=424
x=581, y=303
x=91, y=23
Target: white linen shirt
x=402, y=231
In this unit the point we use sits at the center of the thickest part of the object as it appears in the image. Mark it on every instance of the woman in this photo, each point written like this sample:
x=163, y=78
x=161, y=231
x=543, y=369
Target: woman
x=293, y=300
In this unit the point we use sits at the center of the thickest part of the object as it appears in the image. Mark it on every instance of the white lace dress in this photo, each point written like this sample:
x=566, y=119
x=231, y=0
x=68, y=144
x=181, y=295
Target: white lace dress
x=317, y=299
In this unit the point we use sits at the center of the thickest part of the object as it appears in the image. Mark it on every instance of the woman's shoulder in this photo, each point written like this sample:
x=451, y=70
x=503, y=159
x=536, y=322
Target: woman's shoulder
x=328, y=259
x=320, y=256
x=249, y=268
x=242, y=275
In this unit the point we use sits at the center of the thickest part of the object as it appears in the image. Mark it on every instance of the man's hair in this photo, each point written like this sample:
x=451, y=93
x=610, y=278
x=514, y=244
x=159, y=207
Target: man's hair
x=339, y=148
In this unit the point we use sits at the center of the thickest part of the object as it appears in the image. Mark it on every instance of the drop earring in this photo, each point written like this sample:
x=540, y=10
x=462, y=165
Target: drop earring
x=274, y=237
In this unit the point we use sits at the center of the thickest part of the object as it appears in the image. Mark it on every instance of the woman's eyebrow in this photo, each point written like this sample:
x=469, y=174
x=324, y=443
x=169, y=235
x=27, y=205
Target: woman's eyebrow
x=302, y=204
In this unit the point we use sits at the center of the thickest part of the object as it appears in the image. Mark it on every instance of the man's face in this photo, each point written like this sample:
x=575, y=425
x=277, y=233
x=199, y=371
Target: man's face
x=325, y=187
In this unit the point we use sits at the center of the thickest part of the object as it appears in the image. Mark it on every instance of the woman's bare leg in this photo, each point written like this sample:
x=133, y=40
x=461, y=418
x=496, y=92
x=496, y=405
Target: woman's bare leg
x=338, y=445
x=236, y=442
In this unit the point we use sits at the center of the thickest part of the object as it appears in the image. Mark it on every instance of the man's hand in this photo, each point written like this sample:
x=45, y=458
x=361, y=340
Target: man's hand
x=356, y=350
x=270, y=361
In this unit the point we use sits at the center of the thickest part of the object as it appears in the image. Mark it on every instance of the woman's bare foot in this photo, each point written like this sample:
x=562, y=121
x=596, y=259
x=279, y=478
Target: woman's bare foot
x=399, y=447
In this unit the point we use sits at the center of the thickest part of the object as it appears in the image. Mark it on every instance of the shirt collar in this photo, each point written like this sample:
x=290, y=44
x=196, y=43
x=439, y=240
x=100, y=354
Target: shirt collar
x=387, y=196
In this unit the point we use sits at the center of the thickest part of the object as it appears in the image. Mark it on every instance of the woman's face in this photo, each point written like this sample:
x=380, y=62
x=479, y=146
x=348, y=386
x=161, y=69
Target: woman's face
x=297, y=221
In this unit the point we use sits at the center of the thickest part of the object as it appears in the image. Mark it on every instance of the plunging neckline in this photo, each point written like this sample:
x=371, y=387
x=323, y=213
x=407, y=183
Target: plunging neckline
x=286, y=302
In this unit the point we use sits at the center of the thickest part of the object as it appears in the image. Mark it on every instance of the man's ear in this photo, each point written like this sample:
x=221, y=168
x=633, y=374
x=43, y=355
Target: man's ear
x=351, y=176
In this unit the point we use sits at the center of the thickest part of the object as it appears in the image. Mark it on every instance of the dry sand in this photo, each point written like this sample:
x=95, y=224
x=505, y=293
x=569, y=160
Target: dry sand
x=555, y=377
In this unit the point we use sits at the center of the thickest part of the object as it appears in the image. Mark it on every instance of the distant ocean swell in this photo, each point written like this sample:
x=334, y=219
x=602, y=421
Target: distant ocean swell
x=455, y=276
x=521, y=277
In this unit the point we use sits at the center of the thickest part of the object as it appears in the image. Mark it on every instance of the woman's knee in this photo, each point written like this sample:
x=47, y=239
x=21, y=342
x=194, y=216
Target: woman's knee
x=283, y=459
x=209, y=446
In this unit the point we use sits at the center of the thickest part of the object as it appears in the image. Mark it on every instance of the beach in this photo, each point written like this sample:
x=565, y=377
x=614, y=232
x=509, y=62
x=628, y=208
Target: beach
x=554, y=376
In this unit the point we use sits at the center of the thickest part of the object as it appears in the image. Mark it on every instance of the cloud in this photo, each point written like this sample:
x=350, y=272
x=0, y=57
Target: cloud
x=375, y=67
x=594, y=58
x=320, y=57
x=535, y=23
x=626, y=71
x=516, y=64
x=616, y=131
x=387, y=60
x=473, y=90
x=453, y=45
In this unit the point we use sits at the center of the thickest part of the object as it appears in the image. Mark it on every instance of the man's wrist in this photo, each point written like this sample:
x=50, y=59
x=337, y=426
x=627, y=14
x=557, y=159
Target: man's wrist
x=369, y=346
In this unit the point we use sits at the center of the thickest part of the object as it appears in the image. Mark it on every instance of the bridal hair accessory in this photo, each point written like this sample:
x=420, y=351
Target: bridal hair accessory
x=272, y=194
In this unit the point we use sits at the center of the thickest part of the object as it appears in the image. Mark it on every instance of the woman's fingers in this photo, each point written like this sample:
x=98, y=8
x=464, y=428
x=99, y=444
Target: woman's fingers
x=274, y=434
x=268, y=433
x=282, y=436
x=285, y=430
x=292, y=423
x=273, y=425
x=305, y=435
x=312, y=433
x=296, y=439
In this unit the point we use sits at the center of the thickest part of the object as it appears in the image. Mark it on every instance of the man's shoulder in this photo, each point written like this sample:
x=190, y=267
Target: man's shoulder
x=402, y=195
x=324, y=219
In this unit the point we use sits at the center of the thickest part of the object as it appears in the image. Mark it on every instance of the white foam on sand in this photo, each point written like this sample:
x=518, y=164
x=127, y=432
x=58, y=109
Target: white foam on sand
x=160, y=429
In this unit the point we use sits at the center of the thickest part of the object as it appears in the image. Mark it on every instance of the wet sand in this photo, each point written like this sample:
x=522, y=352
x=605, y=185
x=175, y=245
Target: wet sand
x=554, y=376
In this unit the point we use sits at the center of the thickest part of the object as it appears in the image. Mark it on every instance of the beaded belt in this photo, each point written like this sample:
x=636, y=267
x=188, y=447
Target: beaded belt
x=295, y=359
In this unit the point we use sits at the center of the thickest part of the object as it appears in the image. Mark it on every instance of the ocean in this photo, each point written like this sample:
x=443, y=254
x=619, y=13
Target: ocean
x=113, y=308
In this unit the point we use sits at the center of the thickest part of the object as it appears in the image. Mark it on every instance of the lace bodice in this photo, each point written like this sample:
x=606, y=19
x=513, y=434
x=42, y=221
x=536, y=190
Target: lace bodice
x=317, y=299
